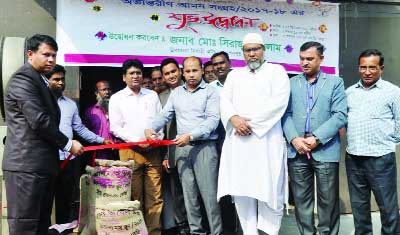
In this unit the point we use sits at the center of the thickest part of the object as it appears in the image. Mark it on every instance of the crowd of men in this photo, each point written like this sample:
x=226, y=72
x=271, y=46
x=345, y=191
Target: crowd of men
x=236, y=131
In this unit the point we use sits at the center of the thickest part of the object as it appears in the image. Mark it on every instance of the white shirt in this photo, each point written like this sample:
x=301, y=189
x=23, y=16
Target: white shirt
x=217, y=84
x=131, y=114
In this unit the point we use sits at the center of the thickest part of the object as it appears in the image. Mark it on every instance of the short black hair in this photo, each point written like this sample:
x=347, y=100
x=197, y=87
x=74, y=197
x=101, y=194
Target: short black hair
x=193, y=57
x=320, y=48
x=372, y=52
x=168, y=61
x=220, y=53
x=208, y=63
x=129, y=63
x=36, y=40
x=57, y=69
x=155, y=68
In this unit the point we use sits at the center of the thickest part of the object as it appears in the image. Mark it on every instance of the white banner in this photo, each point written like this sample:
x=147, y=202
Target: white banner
x=96, y=32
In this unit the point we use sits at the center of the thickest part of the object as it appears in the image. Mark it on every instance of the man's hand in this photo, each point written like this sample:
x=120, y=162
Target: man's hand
x=311, y=142
x=150, y=134
x=342, y=131
x=106, y=141
x=300, y=145
x=144, y=146
x=241, y=125
x=76, y=148
x=182, y=140
x=165, y=163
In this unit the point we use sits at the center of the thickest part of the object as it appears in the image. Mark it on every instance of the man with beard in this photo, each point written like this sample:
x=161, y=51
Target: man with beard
x=209, y=74
x=158, y=82
x=195, y=106
x=174, y=212
x=67, y=182
x=252, y=167
x=96, y=117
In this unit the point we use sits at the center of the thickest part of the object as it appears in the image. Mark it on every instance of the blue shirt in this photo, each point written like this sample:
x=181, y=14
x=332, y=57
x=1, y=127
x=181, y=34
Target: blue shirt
x=310, y=102
x=70, y=121
x=373, y=127
x=196, y=112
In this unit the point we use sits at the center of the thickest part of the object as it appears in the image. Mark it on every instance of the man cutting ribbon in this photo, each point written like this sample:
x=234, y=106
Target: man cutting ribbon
x=131, y=110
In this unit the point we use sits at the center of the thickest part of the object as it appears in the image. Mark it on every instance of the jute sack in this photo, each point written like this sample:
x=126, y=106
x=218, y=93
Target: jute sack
x=108, y=181
x=120, y=218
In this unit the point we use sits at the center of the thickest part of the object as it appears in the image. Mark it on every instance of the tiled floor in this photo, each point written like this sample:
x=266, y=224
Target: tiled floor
x=289, y=226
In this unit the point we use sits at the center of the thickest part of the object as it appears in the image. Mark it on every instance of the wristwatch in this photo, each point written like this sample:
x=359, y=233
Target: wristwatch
x=191, y=138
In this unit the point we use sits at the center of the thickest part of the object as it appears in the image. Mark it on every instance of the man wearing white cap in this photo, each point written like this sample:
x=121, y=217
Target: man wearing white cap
x=252, y=168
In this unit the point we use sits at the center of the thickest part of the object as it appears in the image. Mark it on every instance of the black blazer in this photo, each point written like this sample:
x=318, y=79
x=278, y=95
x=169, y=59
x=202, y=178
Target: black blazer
x=32, y=117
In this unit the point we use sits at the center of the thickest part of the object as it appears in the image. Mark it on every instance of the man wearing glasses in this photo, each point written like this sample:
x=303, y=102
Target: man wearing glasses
x=252, y=167
x=131, y=110
x=373, y=130
x=316, y=111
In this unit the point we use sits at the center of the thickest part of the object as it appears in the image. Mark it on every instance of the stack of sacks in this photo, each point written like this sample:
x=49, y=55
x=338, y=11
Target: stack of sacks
x=109, y=181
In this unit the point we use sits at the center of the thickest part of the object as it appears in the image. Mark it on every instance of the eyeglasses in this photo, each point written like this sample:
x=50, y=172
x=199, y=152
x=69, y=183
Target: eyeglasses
x=364, y=69
x=255, y=49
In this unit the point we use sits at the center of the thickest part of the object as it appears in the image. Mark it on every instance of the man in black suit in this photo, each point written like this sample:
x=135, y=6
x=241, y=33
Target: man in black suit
x=30, y=161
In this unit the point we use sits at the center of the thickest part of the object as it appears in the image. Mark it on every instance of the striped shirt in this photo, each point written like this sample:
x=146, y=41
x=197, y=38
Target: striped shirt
x=373, y=127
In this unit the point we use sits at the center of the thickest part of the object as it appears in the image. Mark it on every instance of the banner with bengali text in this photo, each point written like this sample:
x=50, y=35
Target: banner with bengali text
x=105, y=33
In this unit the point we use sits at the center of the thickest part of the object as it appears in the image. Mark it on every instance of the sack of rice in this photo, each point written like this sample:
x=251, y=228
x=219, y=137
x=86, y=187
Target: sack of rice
x=120, y=218
x=106, y=182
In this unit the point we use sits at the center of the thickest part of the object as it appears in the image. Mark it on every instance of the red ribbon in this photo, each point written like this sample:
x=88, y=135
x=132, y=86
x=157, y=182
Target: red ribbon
x=153, y=143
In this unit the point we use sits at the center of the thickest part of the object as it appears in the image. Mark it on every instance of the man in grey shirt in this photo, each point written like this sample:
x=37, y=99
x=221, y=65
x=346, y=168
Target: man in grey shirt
x=174, y=213
x=195, y=106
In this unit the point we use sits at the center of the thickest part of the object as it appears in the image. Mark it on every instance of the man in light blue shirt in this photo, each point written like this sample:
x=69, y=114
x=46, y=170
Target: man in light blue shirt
x=372, y=133
x=196, y=108
x=67, y=182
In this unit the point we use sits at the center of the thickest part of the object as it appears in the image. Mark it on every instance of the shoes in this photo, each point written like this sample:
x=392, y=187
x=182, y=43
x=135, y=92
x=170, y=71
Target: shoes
x=171, y=231
x=184, y=231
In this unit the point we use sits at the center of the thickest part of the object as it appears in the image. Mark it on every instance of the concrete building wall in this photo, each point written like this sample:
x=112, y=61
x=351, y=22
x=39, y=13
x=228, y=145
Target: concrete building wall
x=364, y=26
x=24, y=18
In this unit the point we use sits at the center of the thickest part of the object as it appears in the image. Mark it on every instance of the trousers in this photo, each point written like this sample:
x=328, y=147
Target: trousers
x=198, y=170
x=146, y=185
x=376, y=174
x=29, y=202
x=301, y=173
